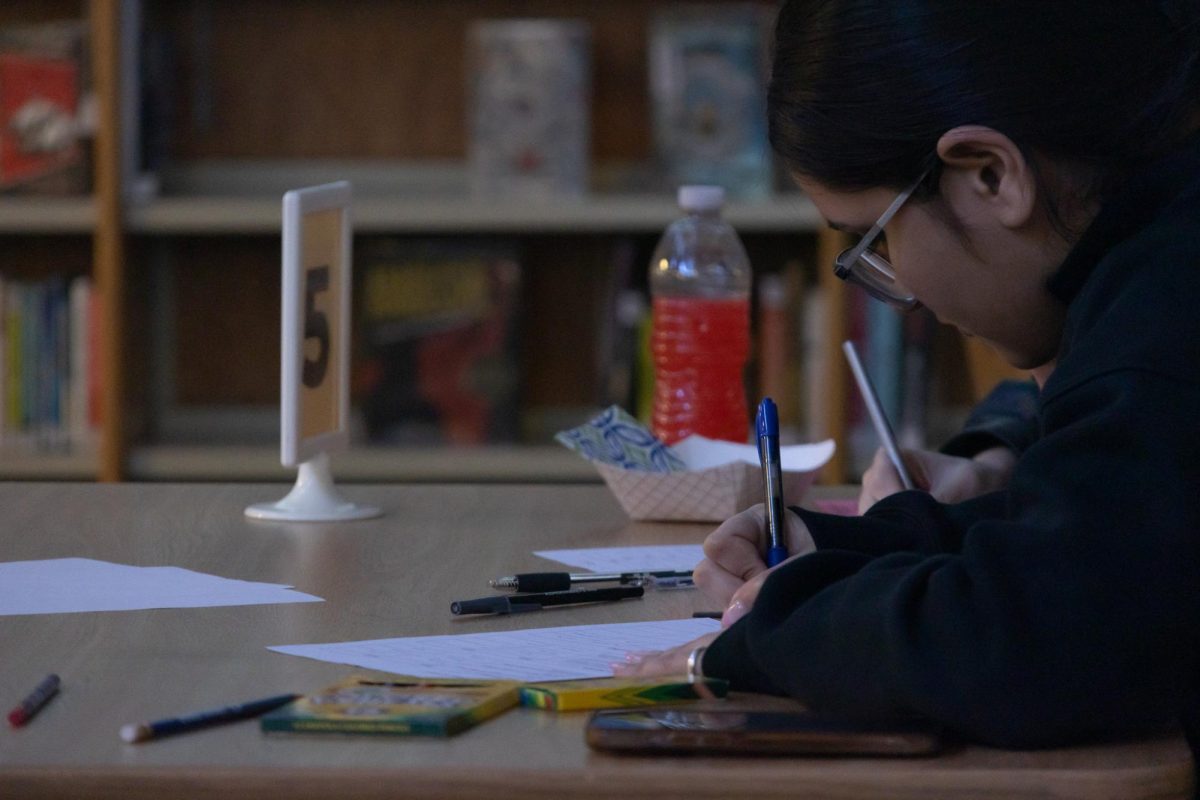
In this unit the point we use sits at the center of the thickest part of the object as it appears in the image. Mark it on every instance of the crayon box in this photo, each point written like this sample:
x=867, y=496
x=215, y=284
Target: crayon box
x=402, y=707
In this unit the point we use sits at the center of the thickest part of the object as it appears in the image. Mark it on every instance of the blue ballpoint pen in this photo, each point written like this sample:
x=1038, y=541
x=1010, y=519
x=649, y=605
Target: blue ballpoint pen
x=767, y=425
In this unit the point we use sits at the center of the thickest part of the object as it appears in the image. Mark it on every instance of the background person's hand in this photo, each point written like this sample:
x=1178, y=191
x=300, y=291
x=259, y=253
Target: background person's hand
x=734, y=555
x=950, y=479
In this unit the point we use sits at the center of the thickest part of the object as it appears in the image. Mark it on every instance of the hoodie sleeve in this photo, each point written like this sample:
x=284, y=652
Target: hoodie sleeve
x=1072, y=612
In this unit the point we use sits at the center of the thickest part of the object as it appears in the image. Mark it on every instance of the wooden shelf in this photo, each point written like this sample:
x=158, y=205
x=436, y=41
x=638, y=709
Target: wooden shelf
x=56, y=215
x=394, y=197
x=493, y=464
x=24, y=464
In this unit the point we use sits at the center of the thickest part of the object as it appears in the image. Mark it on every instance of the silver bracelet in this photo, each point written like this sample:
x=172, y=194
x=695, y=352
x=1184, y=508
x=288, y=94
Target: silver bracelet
x=694, y=673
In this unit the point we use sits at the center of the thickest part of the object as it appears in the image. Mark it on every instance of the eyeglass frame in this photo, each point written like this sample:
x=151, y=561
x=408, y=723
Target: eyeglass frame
x=843, y=264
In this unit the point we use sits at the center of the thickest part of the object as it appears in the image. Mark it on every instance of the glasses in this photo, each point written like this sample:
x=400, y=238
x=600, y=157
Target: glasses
x=865, y=267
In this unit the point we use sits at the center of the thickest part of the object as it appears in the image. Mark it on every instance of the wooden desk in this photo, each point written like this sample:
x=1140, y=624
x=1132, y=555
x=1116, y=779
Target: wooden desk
x=391, y=577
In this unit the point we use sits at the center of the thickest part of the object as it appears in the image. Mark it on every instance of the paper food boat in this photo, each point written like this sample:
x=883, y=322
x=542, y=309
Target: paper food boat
x=697, y=479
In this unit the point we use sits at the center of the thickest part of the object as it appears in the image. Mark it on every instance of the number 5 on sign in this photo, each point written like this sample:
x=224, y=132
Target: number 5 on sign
x=315, y=357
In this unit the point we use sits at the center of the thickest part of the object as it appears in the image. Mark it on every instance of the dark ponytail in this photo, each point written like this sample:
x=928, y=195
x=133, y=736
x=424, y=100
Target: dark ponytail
x=862, y=90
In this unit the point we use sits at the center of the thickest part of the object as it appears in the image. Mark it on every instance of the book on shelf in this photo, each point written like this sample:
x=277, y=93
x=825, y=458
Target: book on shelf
x=49, y=378
x=814, y=367
x=43, y=85
x=438, y=361
x=777, y=351
x=530, y=98
x=708, y=66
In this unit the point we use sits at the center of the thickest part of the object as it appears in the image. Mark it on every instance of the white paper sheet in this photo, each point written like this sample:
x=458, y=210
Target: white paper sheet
x=62, y=585
x=537, y=654
x=649, y=558
x=699, y=452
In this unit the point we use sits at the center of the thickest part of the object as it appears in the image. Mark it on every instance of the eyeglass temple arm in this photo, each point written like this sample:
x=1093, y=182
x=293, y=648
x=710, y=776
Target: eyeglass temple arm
x=885, y=218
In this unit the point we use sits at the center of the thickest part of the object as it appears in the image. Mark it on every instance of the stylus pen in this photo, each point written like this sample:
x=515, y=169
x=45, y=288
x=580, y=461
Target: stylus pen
x=560, y=581
x=882, y=428
x=516, y=603
x=767, y=425
x=140, y=732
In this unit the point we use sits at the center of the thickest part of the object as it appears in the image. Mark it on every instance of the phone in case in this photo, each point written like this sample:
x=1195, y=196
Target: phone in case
x=734, y=732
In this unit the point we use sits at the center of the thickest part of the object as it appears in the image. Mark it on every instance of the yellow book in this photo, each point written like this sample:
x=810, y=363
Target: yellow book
x=613, y=693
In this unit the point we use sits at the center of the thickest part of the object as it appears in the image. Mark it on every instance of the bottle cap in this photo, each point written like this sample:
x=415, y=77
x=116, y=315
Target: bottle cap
x=701, y=198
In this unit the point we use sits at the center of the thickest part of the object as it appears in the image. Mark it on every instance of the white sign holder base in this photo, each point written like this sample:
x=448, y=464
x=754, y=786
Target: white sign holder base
x=312, y=499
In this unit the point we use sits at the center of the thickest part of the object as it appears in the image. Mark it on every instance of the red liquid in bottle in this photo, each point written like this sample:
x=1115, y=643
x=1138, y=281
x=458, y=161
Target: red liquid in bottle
x=700, y=347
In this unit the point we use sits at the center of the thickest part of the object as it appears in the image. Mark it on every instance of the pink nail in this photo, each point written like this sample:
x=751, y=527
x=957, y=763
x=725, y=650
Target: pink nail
x=736, y=611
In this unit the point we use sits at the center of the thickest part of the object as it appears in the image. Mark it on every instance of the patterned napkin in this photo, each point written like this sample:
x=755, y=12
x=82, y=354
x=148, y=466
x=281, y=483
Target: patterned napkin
x=617, y=439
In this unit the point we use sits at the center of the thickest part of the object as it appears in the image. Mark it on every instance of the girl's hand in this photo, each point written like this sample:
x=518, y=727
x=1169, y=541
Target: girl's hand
x=733, y=569
x=660, y=662
x=950, y=479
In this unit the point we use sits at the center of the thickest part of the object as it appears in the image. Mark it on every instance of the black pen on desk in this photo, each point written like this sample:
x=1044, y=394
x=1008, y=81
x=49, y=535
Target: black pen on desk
x=517, y=603
x=33, y=702
x=140, y=732
x=882, y=428
x=561, y=581
x=767, y=426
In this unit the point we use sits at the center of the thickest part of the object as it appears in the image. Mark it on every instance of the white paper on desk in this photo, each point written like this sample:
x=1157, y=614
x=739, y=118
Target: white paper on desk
x=699, y=452
x=62, y=585
x=536, y=654
x=649, y=558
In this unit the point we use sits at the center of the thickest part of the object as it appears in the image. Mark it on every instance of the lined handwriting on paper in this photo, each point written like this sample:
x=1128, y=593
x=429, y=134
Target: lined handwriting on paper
x=64, y=585
x=650, y=558
x=537, y=654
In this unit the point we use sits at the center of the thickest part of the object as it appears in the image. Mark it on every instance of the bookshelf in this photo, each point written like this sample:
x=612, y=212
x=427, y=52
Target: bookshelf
x=376, y=98
x=393, y=197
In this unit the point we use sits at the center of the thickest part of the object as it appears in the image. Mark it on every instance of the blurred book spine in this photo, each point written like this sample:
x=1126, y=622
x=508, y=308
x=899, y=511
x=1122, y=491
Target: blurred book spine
x=776, y=356
x=438, y=330
x=49, y=370
x=43, y=86
x=707, y=83
x=530, y=107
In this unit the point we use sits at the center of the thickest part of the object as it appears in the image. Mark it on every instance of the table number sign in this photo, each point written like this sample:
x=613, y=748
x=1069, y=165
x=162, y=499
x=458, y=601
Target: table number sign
x=315, y=353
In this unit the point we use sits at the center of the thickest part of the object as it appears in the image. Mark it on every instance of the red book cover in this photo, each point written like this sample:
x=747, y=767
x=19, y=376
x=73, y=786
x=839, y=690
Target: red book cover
x=38, y=99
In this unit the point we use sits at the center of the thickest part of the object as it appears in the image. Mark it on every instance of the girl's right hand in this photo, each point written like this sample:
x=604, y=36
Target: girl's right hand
x=950, y=479
x=733, y=569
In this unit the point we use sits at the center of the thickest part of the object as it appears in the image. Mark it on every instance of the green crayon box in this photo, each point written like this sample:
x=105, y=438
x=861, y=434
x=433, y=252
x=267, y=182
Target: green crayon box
x=613, y=693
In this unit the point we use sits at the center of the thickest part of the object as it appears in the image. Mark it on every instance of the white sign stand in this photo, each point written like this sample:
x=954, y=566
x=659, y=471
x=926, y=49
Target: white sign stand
x=315, y=354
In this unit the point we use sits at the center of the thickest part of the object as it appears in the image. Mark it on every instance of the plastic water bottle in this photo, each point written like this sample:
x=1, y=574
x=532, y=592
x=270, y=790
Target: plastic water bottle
x=700, y=340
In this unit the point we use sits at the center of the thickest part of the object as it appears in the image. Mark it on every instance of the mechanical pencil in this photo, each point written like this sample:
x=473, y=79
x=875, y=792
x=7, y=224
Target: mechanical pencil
x=140, y=732
x=882, y=428
x=33, y=703
x=767, y=426
x=516, y=603
x=560, y=581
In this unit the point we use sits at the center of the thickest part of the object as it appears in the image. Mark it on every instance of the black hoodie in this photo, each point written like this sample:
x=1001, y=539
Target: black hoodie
x=1065, y=608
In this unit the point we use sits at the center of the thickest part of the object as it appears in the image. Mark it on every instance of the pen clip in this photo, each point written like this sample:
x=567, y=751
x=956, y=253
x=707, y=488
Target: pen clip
x=672, y=582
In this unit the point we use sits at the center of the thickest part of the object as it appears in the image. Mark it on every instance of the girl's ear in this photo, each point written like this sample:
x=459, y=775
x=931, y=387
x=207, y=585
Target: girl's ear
x=985, y=170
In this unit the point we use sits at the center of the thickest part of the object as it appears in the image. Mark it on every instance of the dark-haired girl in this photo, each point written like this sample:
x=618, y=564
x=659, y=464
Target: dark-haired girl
x=1030, y=172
